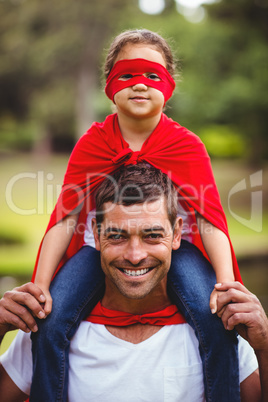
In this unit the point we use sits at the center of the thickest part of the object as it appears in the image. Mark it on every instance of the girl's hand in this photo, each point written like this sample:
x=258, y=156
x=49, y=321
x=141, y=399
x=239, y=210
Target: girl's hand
x=214, y=296
x=47, y=305
x=213, y=301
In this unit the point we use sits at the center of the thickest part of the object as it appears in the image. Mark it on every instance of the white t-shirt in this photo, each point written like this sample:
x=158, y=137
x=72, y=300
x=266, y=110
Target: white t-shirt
x=164, y=368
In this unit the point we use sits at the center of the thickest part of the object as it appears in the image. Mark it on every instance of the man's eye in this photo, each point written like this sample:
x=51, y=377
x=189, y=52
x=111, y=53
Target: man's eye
x=153, y=76
x=115, y=236
x=154, y=236
x=126, y=77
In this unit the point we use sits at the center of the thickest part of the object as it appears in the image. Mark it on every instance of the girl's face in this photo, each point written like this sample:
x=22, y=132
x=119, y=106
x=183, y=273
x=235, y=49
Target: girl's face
x=140, y=101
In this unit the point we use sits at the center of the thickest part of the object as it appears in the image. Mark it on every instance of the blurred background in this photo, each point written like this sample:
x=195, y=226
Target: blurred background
x=51, y=90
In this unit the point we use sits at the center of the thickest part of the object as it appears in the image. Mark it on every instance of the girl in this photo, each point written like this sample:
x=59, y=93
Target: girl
x=139, y=70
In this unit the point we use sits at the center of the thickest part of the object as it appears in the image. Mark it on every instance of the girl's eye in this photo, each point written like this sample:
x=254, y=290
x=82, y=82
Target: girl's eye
x=125, y=77
x=153, y=76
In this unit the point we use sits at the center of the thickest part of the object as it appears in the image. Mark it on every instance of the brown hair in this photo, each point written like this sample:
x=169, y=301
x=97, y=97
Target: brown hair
x=137, y=184
x=139, y=36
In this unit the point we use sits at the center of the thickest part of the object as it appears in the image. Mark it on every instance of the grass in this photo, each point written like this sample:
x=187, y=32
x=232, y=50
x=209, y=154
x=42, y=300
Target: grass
x=8, y=338
x=247, y=241
x=28, y=191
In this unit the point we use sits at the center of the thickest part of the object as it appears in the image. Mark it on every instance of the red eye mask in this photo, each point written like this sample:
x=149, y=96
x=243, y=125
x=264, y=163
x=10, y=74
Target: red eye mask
x=137, y=68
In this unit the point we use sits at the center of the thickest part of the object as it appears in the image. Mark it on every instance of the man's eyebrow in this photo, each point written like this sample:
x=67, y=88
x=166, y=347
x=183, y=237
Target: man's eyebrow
x=114, y=229
x=154, y=229
x=123, y=231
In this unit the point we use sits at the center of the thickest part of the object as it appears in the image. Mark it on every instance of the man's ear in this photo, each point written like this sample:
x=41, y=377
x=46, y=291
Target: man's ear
x=176, y=242
x=96, y=233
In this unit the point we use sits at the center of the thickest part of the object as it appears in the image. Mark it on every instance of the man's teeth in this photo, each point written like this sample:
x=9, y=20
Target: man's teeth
x=136, y=272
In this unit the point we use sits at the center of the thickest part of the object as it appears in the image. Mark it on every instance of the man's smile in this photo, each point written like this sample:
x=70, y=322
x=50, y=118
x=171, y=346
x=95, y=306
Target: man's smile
x=138, y=270
x=135, y=272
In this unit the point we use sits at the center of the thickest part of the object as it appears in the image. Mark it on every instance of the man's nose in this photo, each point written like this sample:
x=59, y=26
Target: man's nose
x=135, y=252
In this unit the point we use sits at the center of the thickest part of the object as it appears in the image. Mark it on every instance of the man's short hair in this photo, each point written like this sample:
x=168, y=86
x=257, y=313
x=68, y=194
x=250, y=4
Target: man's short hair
x=137, y=184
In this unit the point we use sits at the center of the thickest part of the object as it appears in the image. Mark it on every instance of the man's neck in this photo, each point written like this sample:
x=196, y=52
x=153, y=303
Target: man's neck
x=135, y=333
x=156, y=300
x=153, y=302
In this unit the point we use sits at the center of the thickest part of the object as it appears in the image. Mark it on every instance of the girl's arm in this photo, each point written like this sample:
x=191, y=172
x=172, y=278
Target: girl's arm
x=217, y=247
x=55, y=243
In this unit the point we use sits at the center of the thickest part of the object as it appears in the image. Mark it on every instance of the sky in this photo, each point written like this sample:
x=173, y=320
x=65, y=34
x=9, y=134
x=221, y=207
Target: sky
x=191, y=9
x=194, y=3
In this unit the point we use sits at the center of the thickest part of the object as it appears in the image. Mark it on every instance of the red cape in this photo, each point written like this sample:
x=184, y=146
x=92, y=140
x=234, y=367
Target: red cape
x=172, y=148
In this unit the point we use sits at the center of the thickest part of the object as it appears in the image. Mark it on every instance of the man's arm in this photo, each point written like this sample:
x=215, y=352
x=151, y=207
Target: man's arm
x=17, y=311
x=250, y=388
x=240, y=309
x=8, y=389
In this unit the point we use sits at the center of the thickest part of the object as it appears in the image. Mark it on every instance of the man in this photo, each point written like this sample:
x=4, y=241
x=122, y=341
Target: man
x=137, y=361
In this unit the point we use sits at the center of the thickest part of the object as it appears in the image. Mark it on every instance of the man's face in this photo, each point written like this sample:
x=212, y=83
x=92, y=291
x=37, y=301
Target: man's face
x=135, y=244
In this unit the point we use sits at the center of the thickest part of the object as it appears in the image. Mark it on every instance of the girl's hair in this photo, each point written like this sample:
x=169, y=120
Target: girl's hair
x=143, y=37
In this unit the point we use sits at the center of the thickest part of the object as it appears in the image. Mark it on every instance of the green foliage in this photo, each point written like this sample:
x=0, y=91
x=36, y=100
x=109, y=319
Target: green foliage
x=9, y=237
x=51, y=54
x=224, y=65
x=15, y=134
x=223, y=141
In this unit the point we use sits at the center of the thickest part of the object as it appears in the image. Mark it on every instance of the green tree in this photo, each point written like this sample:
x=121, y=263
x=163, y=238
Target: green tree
x=50, y=57
x=51, y=54
x=225, y=74
x=244, y=84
